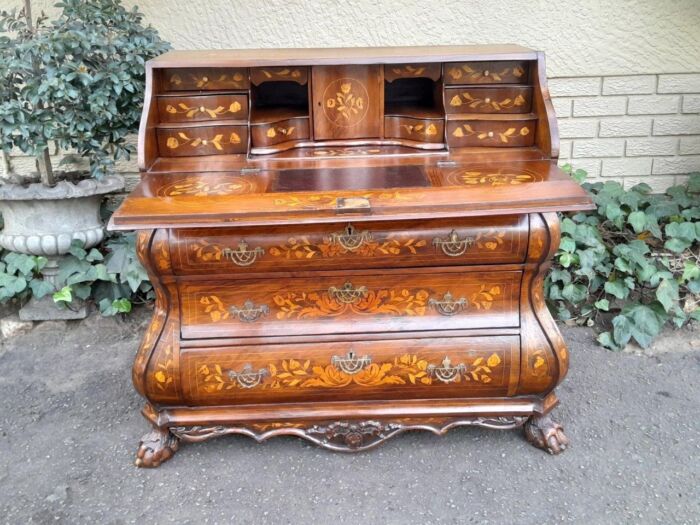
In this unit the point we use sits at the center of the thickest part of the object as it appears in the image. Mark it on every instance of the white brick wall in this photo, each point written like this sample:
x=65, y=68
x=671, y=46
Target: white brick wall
x=635, y=128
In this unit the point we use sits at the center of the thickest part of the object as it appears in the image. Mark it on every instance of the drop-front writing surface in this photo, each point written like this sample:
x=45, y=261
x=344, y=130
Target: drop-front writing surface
x=346, y=244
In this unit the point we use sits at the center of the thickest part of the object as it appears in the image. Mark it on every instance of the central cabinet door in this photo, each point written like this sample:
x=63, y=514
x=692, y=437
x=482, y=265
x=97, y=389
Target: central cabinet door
x=348, y=102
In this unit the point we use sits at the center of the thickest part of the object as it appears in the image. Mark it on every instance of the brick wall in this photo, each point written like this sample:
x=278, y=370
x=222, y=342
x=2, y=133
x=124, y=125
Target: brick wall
x=630, y=128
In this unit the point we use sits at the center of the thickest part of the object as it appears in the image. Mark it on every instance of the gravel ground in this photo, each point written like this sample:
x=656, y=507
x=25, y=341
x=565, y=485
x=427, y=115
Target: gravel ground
x=70, y=423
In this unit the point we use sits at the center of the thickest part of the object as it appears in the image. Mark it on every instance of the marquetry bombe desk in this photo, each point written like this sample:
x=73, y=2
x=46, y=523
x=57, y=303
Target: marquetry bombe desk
x=347, y=244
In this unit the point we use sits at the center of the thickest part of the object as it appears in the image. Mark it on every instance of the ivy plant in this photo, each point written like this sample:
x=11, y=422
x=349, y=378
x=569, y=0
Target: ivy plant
x=632, y=265
x=110, y=276
x=76, y=82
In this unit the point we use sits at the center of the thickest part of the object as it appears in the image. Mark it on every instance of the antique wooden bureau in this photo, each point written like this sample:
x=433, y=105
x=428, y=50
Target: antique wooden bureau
x=347, y=244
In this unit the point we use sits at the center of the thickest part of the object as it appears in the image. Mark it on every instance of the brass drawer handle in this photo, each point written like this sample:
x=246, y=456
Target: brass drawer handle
x=452, y=245
x=247, y=378
x=446, y=373
x=347, y=294
x=351, y=364
x=249, y=313
x=448, y=305
x=242, y=256
x=350, y=239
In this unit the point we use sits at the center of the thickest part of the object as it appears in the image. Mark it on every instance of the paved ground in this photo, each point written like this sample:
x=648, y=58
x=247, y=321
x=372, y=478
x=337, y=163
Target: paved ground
x=69, y=426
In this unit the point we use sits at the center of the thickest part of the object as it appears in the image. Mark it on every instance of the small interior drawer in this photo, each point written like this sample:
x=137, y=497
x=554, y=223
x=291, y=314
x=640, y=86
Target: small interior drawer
x=204, y=78
x=486, y=99
x=396, y=71
x=501, y=72
x=491, y=133
x=297, y=74
x=195, y=108
x=202, y=140
x=421, y=130
x=278, y=132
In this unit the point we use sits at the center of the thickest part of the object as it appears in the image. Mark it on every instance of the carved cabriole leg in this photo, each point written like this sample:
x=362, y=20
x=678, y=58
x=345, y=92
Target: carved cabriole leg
x=545, y=433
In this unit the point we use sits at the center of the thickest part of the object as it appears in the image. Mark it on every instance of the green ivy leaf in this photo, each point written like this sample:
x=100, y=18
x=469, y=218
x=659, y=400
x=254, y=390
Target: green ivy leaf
x=574, y=293
x=40, y=288
x=602, y=304
x=638, y=221
x=617, y=288
x=122, y=305
x=667, y=293
x=64, y=294
x=606, y=340
x=622, y=330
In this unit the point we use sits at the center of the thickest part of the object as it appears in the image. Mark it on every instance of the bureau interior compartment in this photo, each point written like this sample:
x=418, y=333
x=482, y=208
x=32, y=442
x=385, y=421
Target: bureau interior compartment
x=413, y=97
x=284, y=99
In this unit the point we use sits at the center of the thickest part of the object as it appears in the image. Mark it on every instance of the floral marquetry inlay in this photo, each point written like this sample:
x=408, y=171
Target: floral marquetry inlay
x=201, y=81
x=407, y=369
x=346, y=101
x=420, y=129
x=198, y=187
x=341, y=243
x=465, y=73
x=465, y=130
x=193, y=111
x=473, y=102
x=182, y=139
x=500, y=177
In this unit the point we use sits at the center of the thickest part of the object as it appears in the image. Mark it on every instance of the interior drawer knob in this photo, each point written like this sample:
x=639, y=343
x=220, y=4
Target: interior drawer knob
x=243, y=256
x=452, y=245
x=448, y=305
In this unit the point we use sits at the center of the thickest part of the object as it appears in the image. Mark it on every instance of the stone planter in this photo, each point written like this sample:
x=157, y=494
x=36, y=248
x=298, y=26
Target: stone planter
x=44, y=221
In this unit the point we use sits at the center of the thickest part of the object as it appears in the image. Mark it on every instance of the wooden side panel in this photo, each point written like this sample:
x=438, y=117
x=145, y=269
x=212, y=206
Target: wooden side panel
x=394, y=369
x=348, y=102
x=389, y=302
x=544, y=355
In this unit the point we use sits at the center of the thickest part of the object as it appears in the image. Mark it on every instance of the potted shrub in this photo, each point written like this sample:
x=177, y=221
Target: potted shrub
x=74, y=84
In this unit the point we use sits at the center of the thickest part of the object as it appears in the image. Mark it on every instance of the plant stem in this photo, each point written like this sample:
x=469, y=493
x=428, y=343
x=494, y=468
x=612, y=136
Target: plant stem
x=43, y=159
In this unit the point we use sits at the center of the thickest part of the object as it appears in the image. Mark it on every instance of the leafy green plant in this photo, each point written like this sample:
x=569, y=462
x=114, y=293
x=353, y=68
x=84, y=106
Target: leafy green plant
x=76, y=82
x=111, y=276
x=632, y=263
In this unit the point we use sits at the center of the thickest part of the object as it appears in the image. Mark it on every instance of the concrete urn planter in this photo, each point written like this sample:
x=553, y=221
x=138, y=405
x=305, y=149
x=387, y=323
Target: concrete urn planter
x=42, y=220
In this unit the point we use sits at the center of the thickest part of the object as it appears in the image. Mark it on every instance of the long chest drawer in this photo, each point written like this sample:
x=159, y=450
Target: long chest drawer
x=347, y=245
x=360, y=303
x=401, y=368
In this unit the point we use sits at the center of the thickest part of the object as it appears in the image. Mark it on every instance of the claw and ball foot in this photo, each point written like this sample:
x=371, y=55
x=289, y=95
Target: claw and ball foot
x=544, y=433
x=156, y=447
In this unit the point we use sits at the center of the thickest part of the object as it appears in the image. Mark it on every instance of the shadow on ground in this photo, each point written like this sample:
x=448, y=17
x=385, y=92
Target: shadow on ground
x=70, y=423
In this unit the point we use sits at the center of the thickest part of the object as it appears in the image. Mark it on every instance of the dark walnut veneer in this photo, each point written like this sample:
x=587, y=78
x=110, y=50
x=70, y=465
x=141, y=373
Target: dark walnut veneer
x=347, y=244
